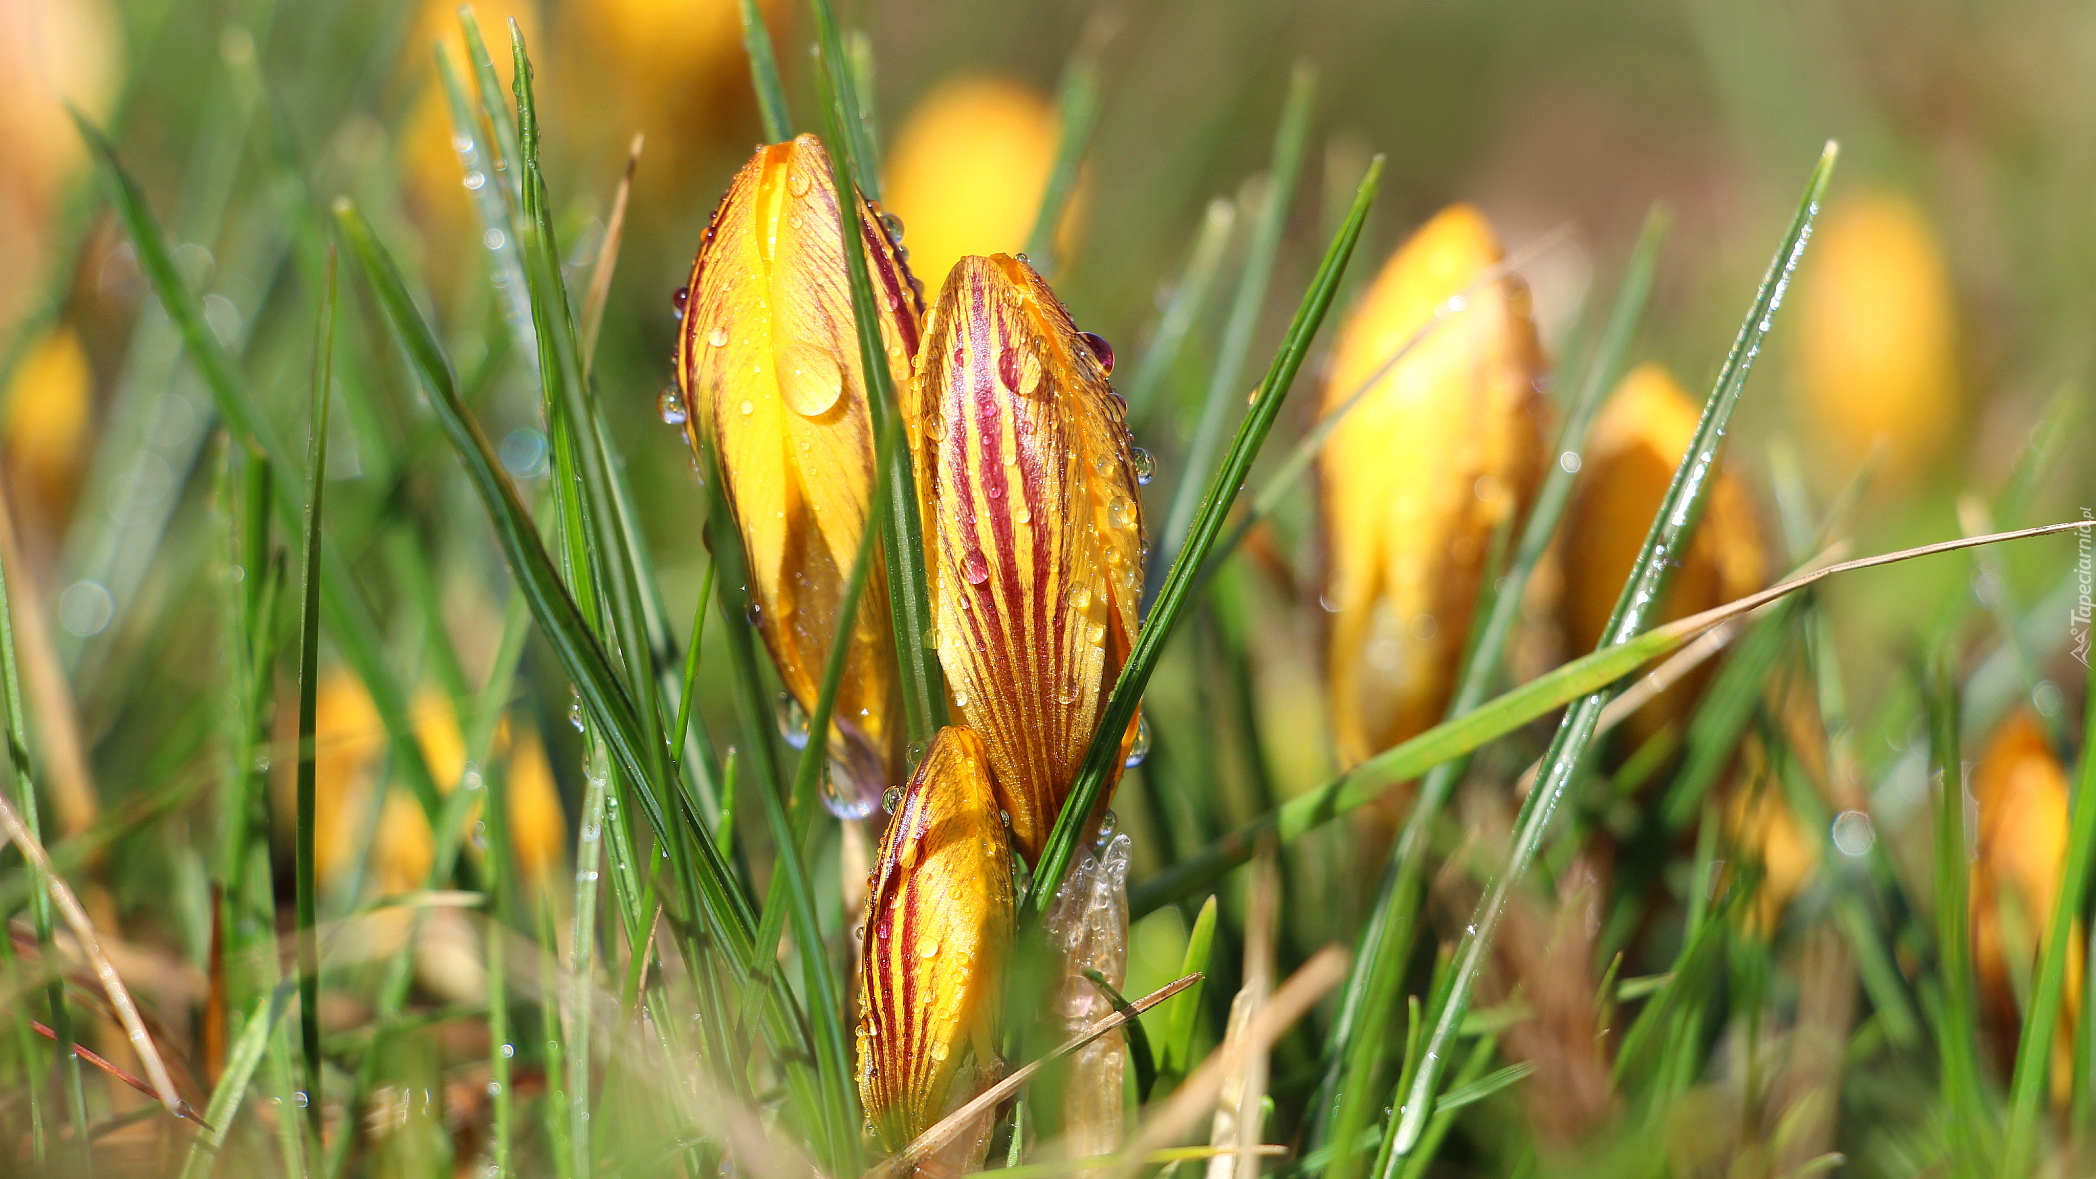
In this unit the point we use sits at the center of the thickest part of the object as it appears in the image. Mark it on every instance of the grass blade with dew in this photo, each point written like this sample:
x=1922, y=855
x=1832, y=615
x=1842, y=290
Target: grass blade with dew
x=308, y=688
x=764, y=74
x=1289, y=140
x=1672, y=526
x=1189, y=294
x=845, y=126
x=903, y=546
x=347, y=616
x=1176, y=593
x=574, y=644
x=2034, y=1052
x=1957, y=1033
x=1076, y=115
x=1357, y=1037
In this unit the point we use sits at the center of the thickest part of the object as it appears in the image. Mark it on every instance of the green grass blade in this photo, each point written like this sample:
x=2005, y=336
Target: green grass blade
x=1357, y=1034
x=903, y=546
x=1289, y=140
x=1077, y=114
x=231, y=1089
x=308, y=684
x=1958, y=1031
x=2034, y=1052
x=845, y=125
x=567, y=633
x=1183, y=1013
x=764, y=74
x=1189, y=296
x=1139, y=1053
x=1670, y=532
x=1176, y=593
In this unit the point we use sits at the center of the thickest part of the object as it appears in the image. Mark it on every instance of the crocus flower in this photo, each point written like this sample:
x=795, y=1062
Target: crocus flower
x=1413, y=481
x=933, y=946
x=770, y=373
x=1877, y=354
x=1630, y=458
x=1034, y=523
x=2019, y=789
x=968, y=169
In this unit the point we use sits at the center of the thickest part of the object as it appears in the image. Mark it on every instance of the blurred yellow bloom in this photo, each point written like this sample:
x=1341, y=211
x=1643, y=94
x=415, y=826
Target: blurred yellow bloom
x=51, y=52
x=672, y=69
x=967, y=170
x=49, y=400
x=2020, y=790
x=1877, y=355
x=936, y=933
x=1629, y=460
x=1034, y=523
x=1759, y=821
x=436, y=182
x=538, y=828
x=1414, y=480
x=770, y=371
x=347, y=742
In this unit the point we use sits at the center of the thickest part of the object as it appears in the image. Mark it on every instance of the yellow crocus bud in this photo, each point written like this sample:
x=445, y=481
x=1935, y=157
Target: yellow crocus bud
x=1876, y=357
x=1630, y=457
x=1444, y=449
x=936, y=934
x=967, y=171
x=1034, y=523
x=2020, y=791
x=770, y=373
x=49, y=399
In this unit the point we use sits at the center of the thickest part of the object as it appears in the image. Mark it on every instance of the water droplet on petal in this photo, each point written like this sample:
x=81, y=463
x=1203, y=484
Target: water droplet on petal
x=671, y=406
x=1020, y=370
x=1100, y=348
x=748, y=407
x=718, y=337
x=1145, y=466
x=1141, y=748
x=797, y=182
x=974, y=568
x=678, y=298
x=891, y=798
x=1120, y=512
x=809, y=380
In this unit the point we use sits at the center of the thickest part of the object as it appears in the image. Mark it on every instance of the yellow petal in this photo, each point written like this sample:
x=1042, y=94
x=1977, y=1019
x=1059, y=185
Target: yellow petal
x=1034, y=523
x=936, y=933
x=49, y=399
x=1877, y=350
x=538, y=830
x=967, y=172
x=1421, y=471
x=1630, y=458
x=769, y=360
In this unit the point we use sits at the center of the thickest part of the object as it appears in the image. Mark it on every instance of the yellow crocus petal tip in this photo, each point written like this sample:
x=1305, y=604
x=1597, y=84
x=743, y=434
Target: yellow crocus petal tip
x=1033, y=517
x=1427, y=463
x=770, y=374
x=934, y=941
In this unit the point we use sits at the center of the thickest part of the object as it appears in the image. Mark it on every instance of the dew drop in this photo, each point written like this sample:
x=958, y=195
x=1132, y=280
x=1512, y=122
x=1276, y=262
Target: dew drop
x=793, y=721
x=1141, y=748
x=1120, y=512
x=809, y=380
x=890, y=799
x=1066, y=693
x=748, y=407
x=1107, y=822
x=974, y=568
x=671, y=406
x=1023, y=514
x=994, y=492
x=797, y=182
x=1145, y=466
x=718, y=337
x=678, y=298
x=935, y=429
x=1020, y=370
x=1100, y=348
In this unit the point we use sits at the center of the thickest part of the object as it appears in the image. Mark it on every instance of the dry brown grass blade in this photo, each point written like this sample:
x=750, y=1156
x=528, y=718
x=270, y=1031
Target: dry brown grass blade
x=91, y=945
x=182, y=1111
x=943, y=1131
x=607, y=259
x=1182, y=1111
x=1233, y=1132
